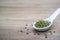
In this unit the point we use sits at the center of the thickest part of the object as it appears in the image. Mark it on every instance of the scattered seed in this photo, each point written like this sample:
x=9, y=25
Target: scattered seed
x=50, y=32
x=38, y=33
x=27, y=33
x=45, y=35
x=53, y=31
x=34, y=33
x=25, y=27
x=26, y=24
x=21, y=31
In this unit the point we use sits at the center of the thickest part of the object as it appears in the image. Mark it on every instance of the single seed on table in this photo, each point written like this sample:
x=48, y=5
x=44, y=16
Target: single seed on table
x=25, y=27
x=27, y=33
x=21, y=31
x=45, y=35
x=34, y=33
x=26, y=24
x=54, y=31
x=50, y=32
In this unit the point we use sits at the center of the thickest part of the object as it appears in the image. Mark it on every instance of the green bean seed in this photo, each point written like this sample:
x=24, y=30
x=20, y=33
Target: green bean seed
x=42, y=23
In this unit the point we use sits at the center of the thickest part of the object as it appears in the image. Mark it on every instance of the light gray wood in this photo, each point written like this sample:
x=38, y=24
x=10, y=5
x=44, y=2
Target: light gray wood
x=15, y=14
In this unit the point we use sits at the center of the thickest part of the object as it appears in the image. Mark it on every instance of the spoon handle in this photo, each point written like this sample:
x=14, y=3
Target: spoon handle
x=54, y=15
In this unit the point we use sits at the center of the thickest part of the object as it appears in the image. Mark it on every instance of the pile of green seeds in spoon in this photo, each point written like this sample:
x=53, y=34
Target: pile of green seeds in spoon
x=42, y=23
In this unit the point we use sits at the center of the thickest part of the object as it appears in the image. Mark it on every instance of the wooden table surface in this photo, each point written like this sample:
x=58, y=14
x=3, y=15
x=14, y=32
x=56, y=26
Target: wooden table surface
x=17, y=16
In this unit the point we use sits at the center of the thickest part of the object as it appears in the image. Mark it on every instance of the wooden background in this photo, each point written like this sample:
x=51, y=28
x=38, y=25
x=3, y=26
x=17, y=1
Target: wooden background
x=15, y=15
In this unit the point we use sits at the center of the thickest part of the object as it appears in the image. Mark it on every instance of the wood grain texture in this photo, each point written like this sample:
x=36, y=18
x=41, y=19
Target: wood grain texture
x=15, y=14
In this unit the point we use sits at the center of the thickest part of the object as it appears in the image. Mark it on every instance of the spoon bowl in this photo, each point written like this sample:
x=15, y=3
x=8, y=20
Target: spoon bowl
x=42, y=29
x=50, y=19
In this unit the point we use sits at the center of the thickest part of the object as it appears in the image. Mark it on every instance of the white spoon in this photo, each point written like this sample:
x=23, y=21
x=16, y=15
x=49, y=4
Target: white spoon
x=50, y=19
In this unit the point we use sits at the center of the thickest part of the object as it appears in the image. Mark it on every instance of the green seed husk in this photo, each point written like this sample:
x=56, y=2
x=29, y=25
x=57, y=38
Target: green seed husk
x=42, y=23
